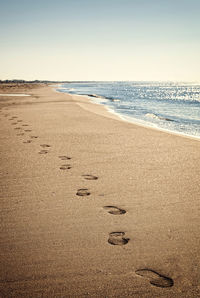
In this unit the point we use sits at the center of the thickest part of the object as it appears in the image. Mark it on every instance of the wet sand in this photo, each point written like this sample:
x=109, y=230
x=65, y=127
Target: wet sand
x=92, y=206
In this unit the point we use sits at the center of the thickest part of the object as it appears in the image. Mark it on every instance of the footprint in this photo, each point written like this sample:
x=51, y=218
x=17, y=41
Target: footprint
x=17, y=128
x=13, y=123
x=155, y=278
x=20, y=134
x=90, y=177
x=45, y=146
x=83, y=192
x=25, y=125
x=65, y=167
x=27, y=130
x=117, y=238
x=33, y=137
x=27, y=142
x=114, y=210
x=63, y=157
x=43, y=152
x=19, y=120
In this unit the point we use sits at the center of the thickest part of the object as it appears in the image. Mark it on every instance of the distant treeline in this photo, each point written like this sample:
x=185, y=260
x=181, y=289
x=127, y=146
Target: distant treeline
x=30, y=82
x=41, y=82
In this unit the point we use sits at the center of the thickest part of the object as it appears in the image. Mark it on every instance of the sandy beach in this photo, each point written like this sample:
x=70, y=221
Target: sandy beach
x=93, y=206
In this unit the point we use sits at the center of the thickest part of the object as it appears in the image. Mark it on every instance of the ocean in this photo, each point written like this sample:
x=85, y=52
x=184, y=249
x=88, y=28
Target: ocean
x=168, y=106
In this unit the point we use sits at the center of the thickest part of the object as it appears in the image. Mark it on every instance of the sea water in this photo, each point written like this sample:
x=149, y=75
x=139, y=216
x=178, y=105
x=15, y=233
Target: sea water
x=167, y=106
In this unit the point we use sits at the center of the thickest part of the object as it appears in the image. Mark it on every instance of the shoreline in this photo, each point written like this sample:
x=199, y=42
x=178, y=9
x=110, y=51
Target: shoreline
x=123, y=119
x=93, y=206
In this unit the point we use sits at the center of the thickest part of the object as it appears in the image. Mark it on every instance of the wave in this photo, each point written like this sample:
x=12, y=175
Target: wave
x=154, y=116
x=94, y=95
x=103, y=97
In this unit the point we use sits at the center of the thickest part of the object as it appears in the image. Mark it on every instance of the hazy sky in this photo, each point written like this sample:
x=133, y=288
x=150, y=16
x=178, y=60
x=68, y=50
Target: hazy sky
x=100, y=39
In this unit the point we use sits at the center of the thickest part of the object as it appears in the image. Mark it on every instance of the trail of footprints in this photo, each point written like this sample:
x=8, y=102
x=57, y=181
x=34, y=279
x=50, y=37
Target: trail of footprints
x=117, y=238
x=22, y=130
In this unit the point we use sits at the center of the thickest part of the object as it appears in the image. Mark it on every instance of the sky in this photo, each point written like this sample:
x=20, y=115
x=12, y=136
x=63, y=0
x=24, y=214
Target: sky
x=107, y=40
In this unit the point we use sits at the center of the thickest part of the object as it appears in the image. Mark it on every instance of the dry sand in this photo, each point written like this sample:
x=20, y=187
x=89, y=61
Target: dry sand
x=58, y=231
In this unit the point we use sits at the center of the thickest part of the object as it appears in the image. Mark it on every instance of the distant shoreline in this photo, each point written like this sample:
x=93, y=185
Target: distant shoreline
x=135, y=122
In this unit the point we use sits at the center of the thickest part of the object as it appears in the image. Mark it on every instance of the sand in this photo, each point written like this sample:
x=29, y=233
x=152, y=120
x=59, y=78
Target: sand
x=14, y=94
x=92, y=206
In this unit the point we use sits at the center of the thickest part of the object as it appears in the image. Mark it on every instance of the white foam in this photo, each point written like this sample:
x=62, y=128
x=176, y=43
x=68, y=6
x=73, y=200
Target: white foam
x=152, y=125
x=15, y=94
x=145, y=124
x=152, y=116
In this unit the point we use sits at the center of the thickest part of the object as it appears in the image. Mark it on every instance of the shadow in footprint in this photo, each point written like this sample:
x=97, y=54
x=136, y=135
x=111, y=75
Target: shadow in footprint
x=27, y=130
x=45, y=146
x=43, y=152
x=19, y=120
x=17, y=128
x=155, y=278
x=14, y=123
x=20, y=134
x=89, y=177
x=63, y=157
x=65, y=167
x=114, y=210
x=25, y=125
x=33, y=137
x=83, y=192
x=117, y=238
x=27, y=142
